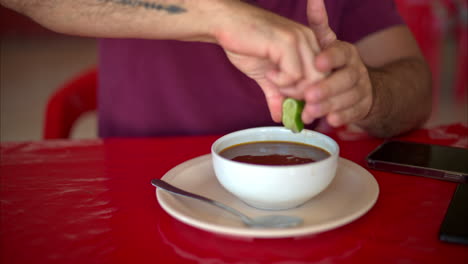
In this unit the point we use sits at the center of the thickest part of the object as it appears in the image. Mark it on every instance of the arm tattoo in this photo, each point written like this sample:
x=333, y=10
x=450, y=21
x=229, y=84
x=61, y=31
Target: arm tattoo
x=171, y=9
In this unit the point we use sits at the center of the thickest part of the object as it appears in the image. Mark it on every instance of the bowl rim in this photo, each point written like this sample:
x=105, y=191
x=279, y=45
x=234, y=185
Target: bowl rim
x=332, y=156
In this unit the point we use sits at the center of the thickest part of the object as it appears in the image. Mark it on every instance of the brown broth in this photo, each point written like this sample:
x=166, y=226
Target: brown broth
x=274, y=153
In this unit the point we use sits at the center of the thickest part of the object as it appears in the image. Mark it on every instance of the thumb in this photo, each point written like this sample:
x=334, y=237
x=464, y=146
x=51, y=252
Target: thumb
x=318, y=22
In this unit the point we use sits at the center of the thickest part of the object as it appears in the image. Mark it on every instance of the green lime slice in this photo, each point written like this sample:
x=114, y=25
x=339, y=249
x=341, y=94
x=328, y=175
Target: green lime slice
x=292, y=110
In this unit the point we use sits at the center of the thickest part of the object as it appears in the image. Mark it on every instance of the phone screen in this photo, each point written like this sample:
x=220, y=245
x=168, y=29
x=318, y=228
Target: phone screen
x=423, y=155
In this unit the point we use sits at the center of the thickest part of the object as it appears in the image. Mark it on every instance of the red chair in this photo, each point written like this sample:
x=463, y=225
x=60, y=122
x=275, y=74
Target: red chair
x=68, y=103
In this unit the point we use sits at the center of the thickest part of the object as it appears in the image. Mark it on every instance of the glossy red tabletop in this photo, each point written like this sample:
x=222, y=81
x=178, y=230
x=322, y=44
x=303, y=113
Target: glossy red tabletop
x=92, y=202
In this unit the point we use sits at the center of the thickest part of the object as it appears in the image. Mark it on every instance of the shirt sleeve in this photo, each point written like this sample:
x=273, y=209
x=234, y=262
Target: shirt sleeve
x=360, y=18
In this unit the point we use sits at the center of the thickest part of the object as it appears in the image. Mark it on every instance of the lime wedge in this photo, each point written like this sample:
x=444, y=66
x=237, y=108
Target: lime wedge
x=292, y=110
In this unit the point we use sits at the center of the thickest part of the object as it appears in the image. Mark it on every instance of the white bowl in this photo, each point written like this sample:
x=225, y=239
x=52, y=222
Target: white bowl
x=275, y=187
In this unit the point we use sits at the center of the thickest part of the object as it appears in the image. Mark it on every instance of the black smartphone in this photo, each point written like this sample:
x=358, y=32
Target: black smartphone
x=428, y=160
x=454, y=228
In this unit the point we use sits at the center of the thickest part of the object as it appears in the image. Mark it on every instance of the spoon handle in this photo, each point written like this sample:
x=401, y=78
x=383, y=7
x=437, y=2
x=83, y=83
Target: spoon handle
x=171, y=188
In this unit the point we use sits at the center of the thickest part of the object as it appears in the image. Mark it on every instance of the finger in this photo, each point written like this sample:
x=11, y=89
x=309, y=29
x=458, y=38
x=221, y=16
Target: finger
x=352, y=113
x=318, y=20
x=308, y=48
x=335, y=56
x=338, y=82
x=307, y=52
x=313, y=73
x=348, y=115
x=312, y=41
x=346, y=100
x=351, y=98
x=287, y=57
x=275, y=102
x=286, y=75
x=307, y=118
x=292, y=91
x=296, y=91
x=313, y=111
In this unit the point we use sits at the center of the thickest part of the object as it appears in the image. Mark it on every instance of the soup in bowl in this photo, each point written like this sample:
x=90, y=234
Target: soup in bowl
x=273, y=168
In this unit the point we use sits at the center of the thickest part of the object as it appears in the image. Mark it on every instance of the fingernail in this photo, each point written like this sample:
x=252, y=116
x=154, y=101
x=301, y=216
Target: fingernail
x=321, y=63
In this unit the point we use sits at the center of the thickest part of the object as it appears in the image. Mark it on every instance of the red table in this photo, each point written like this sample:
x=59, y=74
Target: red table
x=90, y=201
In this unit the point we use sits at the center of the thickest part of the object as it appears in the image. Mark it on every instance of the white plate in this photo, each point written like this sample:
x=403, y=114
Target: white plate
x=350, y=195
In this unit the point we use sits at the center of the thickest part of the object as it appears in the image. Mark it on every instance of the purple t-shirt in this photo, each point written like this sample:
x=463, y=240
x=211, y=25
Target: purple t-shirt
x=157, y=88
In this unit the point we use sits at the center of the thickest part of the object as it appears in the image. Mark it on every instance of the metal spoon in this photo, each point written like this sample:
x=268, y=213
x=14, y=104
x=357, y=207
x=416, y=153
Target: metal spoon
x=267, y=221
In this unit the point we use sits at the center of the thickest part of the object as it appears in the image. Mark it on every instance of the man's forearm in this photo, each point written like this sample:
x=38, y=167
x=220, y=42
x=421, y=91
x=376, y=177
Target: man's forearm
x=155, y=19
x=397, y=88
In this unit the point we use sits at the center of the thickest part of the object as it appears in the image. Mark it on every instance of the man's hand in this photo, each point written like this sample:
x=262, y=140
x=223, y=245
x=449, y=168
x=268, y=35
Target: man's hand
x=392, y=97
x=275, y=52
x=345, y=95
